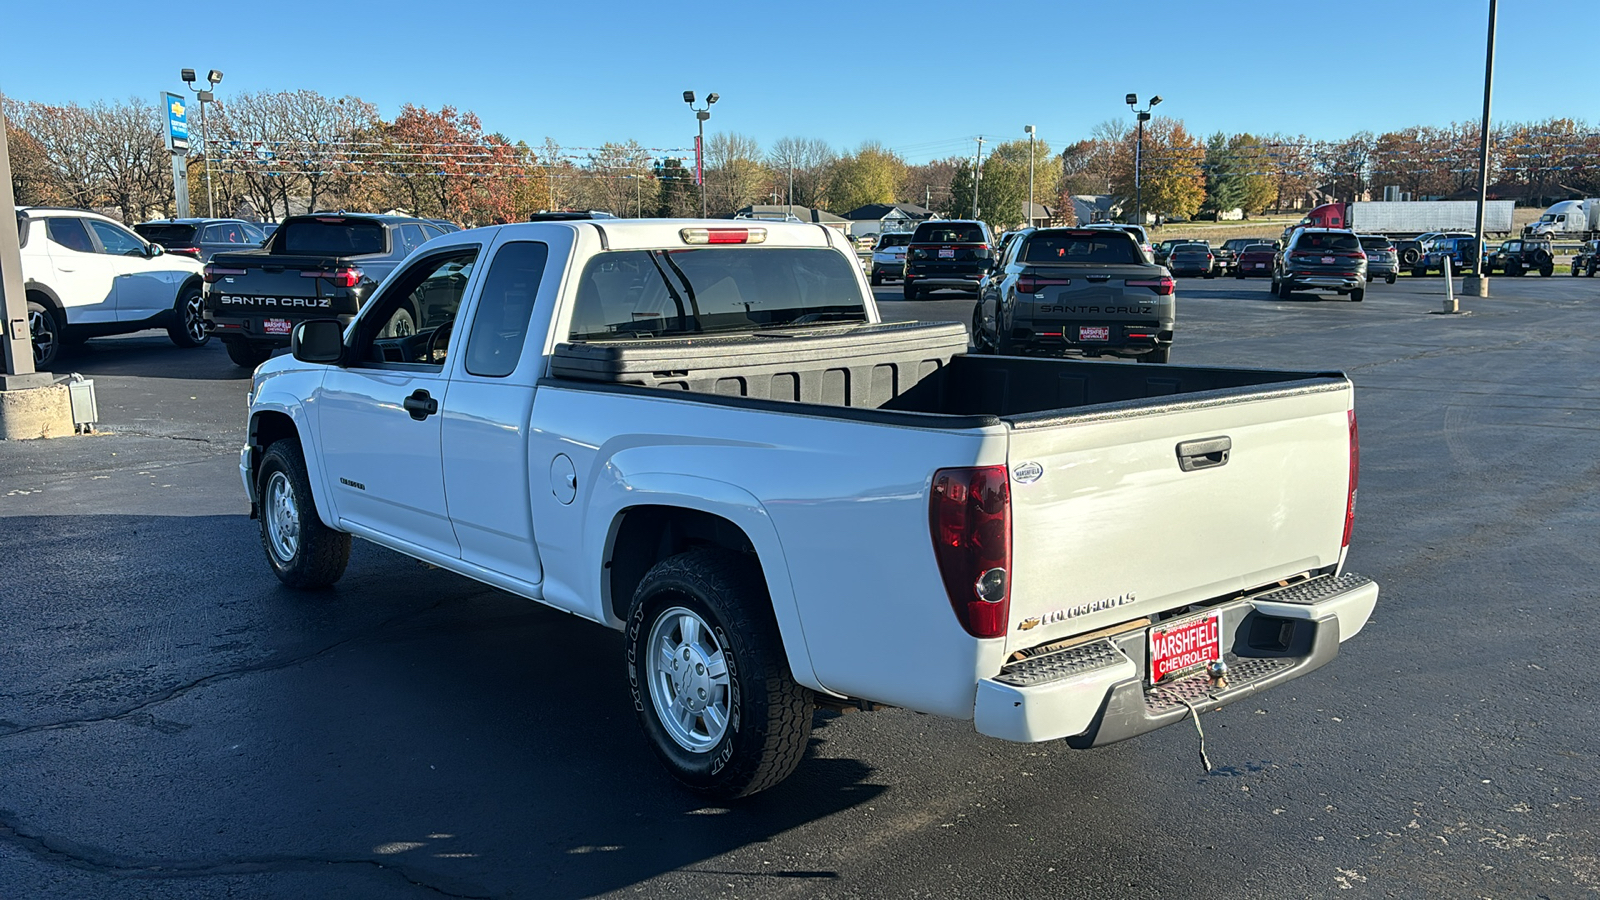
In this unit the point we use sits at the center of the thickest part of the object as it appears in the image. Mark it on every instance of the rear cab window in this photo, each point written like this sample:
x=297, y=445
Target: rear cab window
x=1100, y=247
x=949, y=233
x=167, y=235
x=331, y=236
x=654, y=293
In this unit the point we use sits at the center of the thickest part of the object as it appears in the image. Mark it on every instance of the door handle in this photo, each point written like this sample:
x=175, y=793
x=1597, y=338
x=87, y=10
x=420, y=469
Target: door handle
x=420, y=405
x=1205, y=453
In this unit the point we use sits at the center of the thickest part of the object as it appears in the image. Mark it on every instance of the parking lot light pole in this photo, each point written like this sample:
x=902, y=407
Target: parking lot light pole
x=977, y=178
x=1027, y=219
x=1143, y=116
x=702, y=114
x=1479, y=284
x=214, y=78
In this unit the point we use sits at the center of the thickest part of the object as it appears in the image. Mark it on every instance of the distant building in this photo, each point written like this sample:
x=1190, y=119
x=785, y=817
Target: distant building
x=1090, y=208
x=877, y=218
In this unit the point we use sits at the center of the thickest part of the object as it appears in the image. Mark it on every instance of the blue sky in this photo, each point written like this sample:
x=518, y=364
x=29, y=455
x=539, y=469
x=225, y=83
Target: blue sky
x=921, y=77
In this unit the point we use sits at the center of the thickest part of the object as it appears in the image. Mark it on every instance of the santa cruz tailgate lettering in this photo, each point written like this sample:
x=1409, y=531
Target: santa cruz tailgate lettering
x=1103, y=310
x=278, y=302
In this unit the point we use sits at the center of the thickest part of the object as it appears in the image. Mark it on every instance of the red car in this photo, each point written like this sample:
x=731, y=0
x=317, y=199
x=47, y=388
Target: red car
x=1256, y=261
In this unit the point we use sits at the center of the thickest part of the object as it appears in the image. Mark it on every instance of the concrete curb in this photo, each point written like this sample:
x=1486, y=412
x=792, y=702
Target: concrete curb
x=41, y=412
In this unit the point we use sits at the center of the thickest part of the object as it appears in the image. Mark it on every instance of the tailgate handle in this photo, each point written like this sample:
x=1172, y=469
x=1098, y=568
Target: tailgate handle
x=1099, y=278
x=1206, y=453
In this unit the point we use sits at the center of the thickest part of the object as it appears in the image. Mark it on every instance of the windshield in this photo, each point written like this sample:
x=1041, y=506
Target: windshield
x=653, y=293
x=332, y=237
x=167, y=235
x=948, y=233
x=1547, y=217
x=1104, y=248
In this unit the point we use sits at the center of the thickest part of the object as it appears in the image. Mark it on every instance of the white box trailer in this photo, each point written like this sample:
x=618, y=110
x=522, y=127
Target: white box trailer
x=1421, y=216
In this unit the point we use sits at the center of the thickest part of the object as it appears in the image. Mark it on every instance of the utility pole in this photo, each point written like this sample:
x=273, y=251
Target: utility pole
x=977, y=178
x=1027, y=218
x=1480, y=285
x=790, y=196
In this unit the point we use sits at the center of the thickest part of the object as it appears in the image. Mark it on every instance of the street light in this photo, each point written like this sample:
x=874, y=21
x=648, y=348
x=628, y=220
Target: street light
x=702, y=114
x=1143, y=116
x=214, y=78
x=1028, y=217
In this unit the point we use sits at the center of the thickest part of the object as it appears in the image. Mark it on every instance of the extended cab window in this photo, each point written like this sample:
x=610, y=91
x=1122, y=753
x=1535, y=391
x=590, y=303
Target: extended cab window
x=412, y=320
x=505, y=304
x=648, y=293
x=332, y=237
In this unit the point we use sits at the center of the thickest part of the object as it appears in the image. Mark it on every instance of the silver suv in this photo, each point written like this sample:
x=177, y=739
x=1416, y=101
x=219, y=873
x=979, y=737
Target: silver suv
x=889, y=256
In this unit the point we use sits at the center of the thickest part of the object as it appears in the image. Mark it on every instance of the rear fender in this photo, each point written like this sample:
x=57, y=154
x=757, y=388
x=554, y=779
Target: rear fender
x=611, y=498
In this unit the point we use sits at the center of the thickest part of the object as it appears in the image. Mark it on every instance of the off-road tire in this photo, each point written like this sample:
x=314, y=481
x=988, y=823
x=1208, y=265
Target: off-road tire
x=320, y=553
x=769, y=717
x=188, y=326
x=1409, y=256
x=246, y=354
x=1547, y=271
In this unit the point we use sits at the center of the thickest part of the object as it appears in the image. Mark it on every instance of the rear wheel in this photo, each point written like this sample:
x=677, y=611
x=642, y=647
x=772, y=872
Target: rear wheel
x=1547, y=271
x=909, y=291
x=710, y=681
x=1284, y=290
x=1389, y=279
x=1158, y=355
x=246, y=354
x=188, y=326
x=1419, y=272
x=44, y=333
x=1358, y=295
x=303, y=552
x=877, y=278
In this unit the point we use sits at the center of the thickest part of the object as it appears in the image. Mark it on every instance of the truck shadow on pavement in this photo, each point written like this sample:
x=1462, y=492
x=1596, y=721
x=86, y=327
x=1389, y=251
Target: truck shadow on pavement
x=148, y=354
x=177, y=714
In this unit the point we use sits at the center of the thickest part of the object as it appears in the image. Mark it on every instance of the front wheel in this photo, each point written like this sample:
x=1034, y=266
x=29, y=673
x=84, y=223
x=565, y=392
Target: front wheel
x=303, y=552
x=710, y=681
x=188, y=326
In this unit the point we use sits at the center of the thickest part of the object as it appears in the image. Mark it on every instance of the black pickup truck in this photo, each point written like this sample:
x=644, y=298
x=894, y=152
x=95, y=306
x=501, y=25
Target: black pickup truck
x=317, y=266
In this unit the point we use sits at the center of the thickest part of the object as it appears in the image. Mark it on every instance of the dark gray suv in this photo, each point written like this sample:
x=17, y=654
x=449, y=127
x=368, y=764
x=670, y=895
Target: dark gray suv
x=1325, y=260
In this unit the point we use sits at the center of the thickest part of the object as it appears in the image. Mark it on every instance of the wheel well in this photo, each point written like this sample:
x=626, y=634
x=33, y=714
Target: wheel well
x=645, y=535
x=267, y=428
x=43, y=298
x=193, y=281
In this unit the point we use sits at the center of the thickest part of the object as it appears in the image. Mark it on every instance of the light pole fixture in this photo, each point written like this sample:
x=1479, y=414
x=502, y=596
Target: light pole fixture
x=1027, y=219
x=213, y=78
x=702, y=114
x=1143, y=116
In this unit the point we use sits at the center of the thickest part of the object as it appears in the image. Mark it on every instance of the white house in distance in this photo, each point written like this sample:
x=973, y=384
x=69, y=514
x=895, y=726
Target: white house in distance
x=877, y=218
x=780, y=212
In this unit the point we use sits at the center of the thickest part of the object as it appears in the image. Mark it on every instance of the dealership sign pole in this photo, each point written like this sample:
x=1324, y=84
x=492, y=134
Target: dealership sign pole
x=176, y=111
x=19, y=372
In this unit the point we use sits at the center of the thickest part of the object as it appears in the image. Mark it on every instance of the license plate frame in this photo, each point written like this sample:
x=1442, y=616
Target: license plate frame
x=1094, y=332
x=1182, y=646
x=947, y=253
x=1261, y=265
x=276, y=326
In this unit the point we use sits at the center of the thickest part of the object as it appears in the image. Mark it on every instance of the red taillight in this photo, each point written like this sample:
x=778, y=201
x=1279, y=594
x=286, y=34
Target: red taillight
x=186, y=251
x=346, y=277
x=1163, y=285
x=1355, y=476
x=213, y=274
x=969, y=514
x=1030, y=284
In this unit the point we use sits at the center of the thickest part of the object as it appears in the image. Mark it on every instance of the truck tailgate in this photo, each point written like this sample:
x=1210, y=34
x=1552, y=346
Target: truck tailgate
x=262, y=283
x=1111, y=522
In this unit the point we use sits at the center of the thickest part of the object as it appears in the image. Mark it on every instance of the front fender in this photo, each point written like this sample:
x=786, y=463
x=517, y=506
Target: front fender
x=294, y=407
x=612, y=497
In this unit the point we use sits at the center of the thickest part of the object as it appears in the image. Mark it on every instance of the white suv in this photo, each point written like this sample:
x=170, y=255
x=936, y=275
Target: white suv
x=86, y=276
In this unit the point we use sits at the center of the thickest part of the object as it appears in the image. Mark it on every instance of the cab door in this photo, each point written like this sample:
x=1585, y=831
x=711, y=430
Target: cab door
x=379, y=416
x=144, y=284
x=85, y=280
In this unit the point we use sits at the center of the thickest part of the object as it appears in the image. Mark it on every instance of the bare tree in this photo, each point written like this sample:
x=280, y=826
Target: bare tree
x=811, y=161
x=736, y=176
x=66, y=140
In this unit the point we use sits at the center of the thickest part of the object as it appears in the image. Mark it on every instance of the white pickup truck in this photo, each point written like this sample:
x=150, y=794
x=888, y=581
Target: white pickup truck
x=701, y=433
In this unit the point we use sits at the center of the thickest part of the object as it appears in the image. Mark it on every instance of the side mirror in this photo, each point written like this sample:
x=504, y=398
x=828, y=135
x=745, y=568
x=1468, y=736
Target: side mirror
x=318, y=341
x=151, y=251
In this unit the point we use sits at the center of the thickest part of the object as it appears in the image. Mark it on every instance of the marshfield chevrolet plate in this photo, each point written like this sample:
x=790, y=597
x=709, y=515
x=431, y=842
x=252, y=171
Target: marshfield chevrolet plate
x=1177, y=647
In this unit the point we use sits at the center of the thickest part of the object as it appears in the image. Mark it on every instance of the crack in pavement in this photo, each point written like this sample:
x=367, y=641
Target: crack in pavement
x=270, y=665
x=61, y=852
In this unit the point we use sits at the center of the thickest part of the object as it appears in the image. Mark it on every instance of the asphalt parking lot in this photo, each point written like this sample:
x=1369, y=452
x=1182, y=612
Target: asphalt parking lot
x=175, y=724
